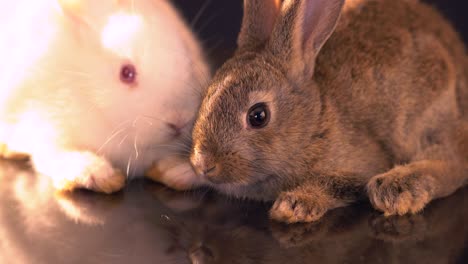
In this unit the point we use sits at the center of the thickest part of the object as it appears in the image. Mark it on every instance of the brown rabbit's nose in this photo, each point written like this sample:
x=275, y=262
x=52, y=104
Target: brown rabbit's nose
x=205, y=165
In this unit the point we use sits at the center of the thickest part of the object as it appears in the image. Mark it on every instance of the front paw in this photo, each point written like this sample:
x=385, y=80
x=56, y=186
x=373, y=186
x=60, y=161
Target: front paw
x=291, y=207
x=399, y=193
x=174, y=173
x=8, y=154
x=76, y=170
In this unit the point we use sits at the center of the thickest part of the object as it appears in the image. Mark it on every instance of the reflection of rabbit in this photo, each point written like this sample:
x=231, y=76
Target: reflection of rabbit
x=324, y=99
x=37, y=226
x=345, y=235
x=95, y=85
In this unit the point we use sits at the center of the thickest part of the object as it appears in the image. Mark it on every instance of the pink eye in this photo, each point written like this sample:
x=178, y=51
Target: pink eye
x=128, y=74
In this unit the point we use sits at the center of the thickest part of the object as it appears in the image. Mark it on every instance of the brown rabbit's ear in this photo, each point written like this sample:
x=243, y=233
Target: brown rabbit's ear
x=258, y=22
x=301, y=30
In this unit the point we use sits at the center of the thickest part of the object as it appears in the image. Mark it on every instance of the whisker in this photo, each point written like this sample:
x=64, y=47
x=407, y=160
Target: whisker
x=207, y=22
x=122, y=141
x=135, y=145
x=120, y=125
x=173, y=146
x=128, y=165
x=214, y=46
x=200, y=12
x=154, y=118
x=177, y=155
x=110, y=139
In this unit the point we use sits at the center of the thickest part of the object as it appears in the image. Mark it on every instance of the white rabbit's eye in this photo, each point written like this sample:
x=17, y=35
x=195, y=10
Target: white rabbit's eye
x=258, y=116
x=128, y=74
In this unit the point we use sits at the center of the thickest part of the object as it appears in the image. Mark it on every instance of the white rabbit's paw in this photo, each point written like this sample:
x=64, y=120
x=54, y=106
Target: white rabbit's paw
x=178, y=176
x=88, y=171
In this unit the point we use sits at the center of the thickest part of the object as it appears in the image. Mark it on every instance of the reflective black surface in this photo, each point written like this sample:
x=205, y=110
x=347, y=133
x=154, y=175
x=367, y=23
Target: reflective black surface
x=147, y=223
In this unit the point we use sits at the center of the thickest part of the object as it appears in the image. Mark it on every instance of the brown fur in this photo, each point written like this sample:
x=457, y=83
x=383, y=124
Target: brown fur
x=365, y=98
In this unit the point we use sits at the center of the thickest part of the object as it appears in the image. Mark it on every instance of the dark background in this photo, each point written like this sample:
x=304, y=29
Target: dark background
x=217, y=22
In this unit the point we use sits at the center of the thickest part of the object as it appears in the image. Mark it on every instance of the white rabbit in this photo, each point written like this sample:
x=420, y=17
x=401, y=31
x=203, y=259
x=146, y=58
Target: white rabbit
x=98, y=91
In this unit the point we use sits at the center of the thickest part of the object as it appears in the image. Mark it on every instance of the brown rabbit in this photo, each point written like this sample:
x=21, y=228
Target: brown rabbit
x=326, y=101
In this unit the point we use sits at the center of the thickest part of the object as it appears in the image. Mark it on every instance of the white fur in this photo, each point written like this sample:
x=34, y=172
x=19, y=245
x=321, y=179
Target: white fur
x=61, y=92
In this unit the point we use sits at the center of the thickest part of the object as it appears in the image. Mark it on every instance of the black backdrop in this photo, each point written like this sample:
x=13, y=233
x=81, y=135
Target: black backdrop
x=217, y=22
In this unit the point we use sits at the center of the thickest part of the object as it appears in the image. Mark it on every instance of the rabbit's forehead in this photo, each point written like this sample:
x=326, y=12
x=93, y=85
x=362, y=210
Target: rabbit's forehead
x=240, y=83
x=121, y=31
x=224, y=91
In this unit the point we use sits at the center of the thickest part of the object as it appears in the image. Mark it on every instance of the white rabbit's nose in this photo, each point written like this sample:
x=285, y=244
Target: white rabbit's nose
x=177, y=130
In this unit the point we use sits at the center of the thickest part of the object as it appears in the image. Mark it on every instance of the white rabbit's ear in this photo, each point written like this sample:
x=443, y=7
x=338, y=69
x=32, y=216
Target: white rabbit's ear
x=73, y=9
x=303, y=27
x=83, y=17
x=257, y=23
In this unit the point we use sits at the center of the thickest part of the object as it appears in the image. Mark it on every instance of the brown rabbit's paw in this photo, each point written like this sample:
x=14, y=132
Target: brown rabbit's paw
x=395, y=193
x=293, y=208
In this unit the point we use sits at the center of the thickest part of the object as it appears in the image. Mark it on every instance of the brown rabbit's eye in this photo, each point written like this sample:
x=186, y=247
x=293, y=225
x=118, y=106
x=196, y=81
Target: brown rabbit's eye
x=258, y=116
x=128, y=74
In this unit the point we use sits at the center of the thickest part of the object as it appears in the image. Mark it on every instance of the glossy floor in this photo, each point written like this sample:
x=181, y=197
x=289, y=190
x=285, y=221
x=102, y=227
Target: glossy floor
x=147, y=223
